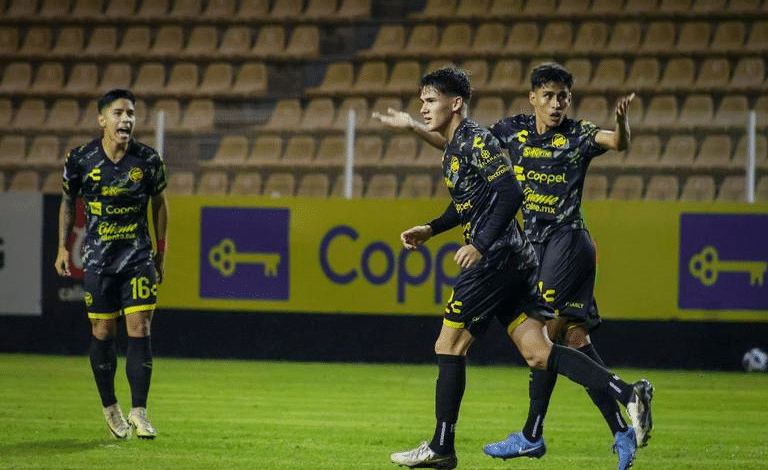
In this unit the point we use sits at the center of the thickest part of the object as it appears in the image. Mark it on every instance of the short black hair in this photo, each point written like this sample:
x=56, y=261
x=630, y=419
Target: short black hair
x=114, y=95
x=448, y=81
x=550, y=72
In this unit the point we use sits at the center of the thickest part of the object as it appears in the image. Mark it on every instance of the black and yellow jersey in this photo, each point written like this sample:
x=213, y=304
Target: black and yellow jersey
x=551, y=168
x=115, y=196
x=475, y=168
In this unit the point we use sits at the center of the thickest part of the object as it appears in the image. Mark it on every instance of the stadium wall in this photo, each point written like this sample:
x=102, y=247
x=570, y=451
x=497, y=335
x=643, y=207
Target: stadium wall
x=327, y=280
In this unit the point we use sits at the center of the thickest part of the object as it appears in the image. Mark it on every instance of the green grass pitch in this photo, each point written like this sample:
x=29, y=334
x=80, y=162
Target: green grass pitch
x=213, y=414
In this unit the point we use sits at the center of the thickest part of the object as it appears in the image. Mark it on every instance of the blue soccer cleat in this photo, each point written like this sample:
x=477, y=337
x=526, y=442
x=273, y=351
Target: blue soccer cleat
x=625, y=445
x=516, y=445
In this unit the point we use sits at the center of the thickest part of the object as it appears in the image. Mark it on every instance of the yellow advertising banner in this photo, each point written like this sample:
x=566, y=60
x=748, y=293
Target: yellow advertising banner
x=338, y=256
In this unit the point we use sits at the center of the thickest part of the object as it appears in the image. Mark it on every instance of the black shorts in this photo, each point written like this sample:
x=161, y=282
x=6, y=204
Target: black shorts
x=567, y=275
x=108, y=296
x=482, y=293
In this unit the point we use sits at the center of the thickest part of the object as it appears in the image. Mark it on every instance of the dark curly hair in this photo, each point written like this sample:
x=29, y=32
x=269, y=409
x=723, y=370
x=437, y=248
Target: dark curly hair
x=550, y=72
x=448, y=81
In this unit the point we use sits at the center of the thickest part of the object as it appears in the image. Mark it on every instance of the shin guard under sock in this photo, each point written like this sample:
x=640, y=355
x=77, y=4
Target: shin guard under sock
x=138, y=369
x=103, y=355
x=604, y=402
x=449, y=391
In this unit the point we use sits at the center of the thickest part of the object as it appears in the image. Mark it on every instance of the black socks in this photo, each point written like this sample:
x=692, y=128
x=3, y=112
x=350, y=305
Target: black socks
x=138, y=369
x=103, y=356
x=604, y=402
x=584, y=371
x=540, y=387
x=449, y=391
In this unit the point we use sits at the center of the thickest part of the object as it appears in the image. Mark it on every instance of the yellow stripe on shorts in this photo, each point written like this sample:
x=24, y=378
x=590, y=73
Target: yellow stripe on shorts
x=516, y=322
x=139, y=308
x=453, y=324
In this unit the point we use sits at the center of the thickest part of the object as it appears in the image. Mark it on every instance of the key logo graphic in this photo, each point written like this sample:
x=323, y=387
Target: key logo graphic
x=244, y=253
x=723, y=261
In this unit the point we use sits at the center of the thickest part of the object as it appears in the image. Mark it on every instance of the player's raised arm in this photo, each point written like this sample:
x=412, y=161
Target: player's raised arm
x=402, y=120
x=619, y=138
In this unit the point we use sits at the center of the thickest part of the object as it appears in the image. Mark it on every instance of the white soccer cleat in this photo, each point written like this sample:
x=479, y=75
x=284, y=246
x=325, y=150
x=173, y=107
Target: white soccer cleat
x=138, y=420
x=639, y=411
x=424, y=457
x=116, y=422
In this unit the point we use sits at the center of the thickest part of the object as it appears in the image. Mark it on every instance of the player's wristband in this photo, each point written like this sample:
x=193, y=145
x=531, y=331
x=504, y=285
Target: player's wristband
x=162, y=244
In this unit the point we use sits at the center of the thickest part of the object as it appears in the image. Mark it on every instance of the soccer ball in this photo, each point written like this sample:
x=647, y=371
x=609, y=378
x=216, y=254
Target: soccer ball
x=755, y=360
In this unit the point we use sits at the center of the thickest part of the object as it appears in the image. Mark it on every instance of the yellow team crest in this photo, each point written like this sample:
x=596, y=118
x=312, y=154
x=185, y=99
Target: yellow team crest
x=88, y=299
x=136, y=174
x=454, y=165
x=559, y=141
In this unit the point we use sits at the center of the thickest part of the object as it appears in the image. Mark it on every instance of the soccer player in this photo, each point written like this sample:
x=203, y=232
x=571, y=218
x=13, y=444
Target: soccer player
x=499, y=269
x=116, y=177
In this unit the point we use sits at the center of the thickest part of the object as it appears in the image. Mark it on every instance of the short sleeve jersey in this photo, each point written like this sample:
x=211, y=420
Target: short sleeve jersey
x=551, y=168
x=116, y=197
x=473, y=163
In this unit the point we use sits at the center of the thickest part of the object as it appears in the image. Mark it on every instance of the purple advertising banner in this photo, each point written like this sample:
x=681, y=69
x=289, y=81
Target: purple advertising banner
x=244, y=253
x=723, y=262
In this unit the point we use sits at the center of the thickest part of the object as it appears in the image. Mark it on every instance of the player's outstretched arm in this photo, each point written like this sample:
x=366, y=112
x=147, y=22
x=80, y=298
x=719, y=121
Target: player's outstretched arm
x=415, y=236
x=160, y=221
x=66, y=223
x=619, y=138
x=402, y=120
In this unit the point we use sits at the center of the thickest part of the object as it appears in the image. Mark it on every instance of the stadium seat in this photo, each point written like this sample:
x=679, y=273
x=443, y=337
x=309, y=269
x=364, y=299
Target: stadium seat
x=572, y=7
x=13, y=149
x=319, y=9
x=232, y=151
x=213, y=183
x=747, y=75
x=357, y=186
x=286, y=9
x=314, y=185
x=761, y=152
x=715, y=153
x=63, y=115
x=472, y=9
x=371, y=77
x=539, y=7
x=252, y=9
x=661, y=112
x=487, y=110
x=331, y=152
x=523, y=37
x=120, y=9
x=304, y=43
x=217, y=79
x=382, y=186
x=181, y=183
x=198, y=116
x=594, y=108
x=116, y=75
x=150, y=79
x=89, y=119
x=69, y=43
x=52, y=183
x=644, y=152
x=606, y=6
x=437, y=9
x=506, y=77
x=24, y=181
x=416, y=186
x=625, y=37
x=662, y=188
x=368, y=150
x=675, y=6
x=235, y=42
x=17, y=77
x=428, y=157
x=502, y=9
x=30, y=115
x=359, y=105
x=401, y=151
x=319, y=114
x=713, y=74
x=422, y=41
x=9, y=40
x=354, y=9
x=280, y=185
x=693, y=37
x=595, y=187
x=153, y=10
x=659, y=35
x=697, y=110
x=678, y=75
x=489, y=39
x=87, y=9
x=591, y=36
x=729, y=37
x=456, y=39
x=761, y=109
x=708, y=6
x=44, y=152
x=732, y=189
x=266, y=149
x=761, y=190
x=219, y=9
x=744, y=6
x=699, y=188
x=185, y=9
x=21, y=9
x=136, y=41
x=390, y=40
x=477, y=70
x=643, y=74
x=381, y=105
x=6, y=113
x=732, y=112
x=246, y=184
x=581, y=69
x=757, y=41
x=172, y=110
x=519, y=105
x=299, y=151
x=82, y=79
x=286, y=115
x=183, y=79
x=338, y=77
x=49, y=78
x=609, y=76
x=102, y=42
x=405, y=77
x=37, y=42
x=251, y=79
x=679, y=152
x=202, y=43
x=627, y=187
x=168, y=41
x=556, y=37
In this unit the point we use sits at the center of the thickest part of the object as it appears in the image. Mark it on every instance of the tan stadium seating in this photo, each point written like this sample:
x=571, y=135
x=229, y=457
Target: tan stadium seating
x=304, y=43
x=401, y=150
x=357, y=186
x=280, y=185
x=390, y=40
x=594, y=108
x=338, y=77
x=698, y=188
x=472, y=9
x=659, y=35
x=487, y=110
x=232, y=151
x=382, y=186
x=172, y=111
x=30, y=115
x=693, y=37
x=168, y=41
x=236, y=41
x=456, y=39
x=504, y=8
x=573, y=7
x=266, y=149
x=286, y=9
x=120, y=9
x=627, y=187
x=270, y=42
x=9, y=40
x=359, y=105
x=538, y=7
x=640, y=6
x=678, y=75
x=713, y=74
x=520, y=105
x=556, y=37
x=437, y=9
x=609, y=75
x=37, y=41
x=581, y=70
x=729, y=37
x=368, y=150
x=219, y=9
x=404, y=77
x=6, y=113
x=299, y=152
x=331, y=152
x=102, y=42
x=595, y=187
x=213, y=183
x=89, y=121
x=489, y=38
x=757, y=41
x=679, y=152
x=24, y=180
x=674, y=6
x=314, y=185
x=416, y=186
x=354, y=9
x=644, y=152
x=477, y=70
x=319, y=114
x=423, y=40
x=732, y=189
x=251, y=79
x=697, y=110
x=285, y=116
x=181, y=183
x=715, y=152
x=22, y=9
x=592, y=36
x=70, y=42
x=16, y=77
x=150, y=79
x=761, y=190
x=82, y=79
x=319, y=9
x=761, y=152
x=661, y=112
x=136, y=40
x=217, y=79
x=203, y=42
x=63, y=115
x=13, y=149
x=643, y=74
x=49, y=78
x=625, y=36
x=732, y=112
x=116, y=75
x=153, y=10
x=428, y=157
x=186, y=9
x=506, y=76
x=606, y=6
x=708, y=6
x=371, y=77
x=246, y=184
x=198, y=116
x=747, y=74
x=44, y=152
x=87, y=9
x=252, y=9
x=662, y=188
x=52, y=183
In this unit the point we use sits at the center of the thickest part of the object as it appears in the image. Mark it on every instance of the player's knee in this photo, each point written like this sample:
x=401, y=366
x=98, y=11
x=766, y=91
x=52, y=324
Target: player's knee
x=536, y=360
x=577, y=337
